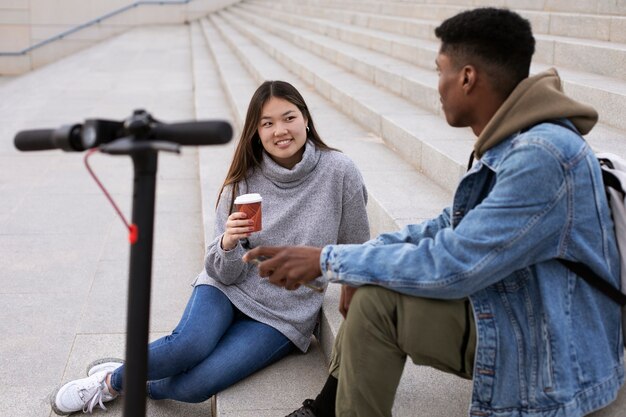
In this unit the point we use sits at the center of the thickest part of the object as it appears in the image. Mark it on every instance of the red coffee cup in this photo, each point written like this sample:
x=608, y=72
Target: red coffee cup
x=251, y=205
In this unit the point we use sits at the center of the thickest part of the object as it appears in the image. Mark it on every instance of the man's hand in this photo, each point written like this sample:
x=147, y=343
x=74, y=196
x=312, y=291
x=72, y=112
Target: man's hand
x=347, y=292
x=287, y=266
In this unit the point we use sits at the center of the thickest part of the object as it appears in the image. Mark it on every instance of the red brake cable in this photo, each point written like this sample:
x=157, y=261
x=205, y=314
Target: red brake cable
x=133, y=232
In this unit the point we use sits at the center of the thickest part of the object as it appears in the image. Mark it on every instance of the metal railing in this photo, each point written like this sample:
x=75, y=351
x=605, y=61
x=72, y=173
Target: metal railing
x=94, y=22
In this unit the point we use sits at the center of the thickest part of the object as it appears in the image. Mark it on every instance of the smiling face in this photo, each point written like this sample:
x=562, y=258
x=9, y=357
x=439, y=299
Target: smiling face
x=282, y=130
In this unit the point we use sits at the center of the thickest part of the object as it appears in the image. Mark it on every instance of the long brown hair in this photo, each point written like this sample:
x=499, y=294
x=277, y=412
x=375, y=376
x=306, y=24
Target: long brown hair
x=249, y=151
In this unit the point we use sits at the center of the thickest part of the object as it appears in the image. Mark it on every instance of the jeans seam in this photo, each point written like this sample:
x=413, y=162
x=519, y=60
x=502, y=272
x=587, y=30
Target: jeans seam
x=148, y=389
x=193, y=304
x=269, y=358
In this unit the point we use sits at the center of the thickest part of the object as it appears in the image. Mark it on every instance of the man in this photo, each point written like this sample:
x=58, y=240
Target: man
x=479, y=291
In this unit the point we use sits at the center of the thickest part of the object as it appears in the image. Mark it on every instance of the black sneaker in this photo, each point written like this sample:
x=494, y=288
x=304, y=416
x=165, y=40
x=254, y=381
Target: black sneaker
x=305, y=411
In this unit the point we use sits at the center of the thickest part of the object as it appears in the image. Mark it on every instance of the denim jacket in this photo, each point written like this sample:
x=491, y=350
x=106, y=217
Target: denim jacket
x=548, y=343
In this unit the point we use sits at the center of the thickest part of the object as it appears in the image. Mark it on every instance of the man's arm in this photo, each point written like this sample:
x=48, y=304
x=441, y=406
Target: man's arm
x=289, y=267
x=413, y=233
x=517, y=225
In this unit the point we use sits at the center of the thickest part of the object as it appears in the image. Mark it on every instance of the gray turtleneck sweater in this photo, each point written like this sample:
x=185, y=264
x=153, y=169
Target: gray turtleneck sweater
x=320, y=201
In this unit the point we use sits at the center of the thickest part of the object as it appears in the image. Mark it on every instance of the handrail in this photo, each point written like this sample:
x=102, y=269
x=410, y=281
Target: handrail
x=93, y=22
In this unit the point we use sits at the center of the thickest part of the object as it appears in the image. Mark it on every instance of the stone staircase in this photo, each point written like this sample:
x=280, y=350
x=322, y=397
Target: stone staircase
x=366, y=69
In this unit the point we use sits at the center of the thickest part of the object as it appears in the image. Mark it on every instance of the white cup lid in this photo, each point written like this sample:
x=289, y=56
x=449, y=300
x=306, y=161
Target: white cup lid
x=248, y=198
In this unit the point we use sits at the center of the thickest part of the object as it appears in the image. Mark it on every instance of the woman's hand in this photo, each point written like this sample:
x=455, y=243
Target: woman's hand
x=238, y=226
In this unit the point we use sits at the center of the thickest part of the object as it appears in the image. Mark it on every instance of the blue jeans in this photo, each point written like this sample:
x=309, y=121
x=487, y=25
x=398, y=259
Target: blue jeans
x=214, y=346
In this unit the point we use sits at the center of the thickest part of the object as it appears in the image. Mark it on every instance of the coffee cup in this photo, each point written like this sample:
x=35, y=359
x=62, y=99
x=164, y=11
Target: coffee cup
x=251, y=205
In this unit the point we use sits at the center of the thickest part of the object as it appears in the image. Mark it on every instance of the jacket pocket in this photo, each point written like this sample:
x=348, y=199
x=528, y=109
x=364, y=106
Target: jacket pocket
x=515, y=282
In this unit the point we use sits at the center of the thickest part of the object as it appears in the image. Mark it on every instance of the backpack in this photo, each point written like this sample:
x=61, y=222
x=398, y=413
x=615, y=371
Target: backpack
x=614, y=178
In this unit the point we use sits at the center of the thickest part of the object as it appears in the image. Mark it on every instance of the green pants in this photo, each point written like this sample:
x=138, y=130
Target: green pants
x=381, y=329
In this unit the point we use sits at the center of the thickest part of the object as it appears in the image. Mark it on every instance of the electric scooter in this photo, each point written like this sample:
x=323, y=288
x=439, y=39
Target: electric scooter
x=141, y=137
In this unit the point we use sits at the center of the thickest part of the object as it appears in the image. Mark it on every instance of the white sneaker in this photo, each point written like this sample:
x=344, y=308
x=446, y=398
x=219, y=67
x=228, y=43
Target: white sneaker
x=105, y=364
x=82, y=394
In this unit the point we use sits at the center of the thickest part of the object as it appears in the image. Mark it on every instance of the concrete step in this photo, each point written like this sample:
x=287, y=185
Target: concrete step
x=329, y=91
x=389, y=207
x=566, y=45
x=606, y=93
x=422, y=26
x=601, y=7
x=421, y=138
x=211, y=102
x=410, y=197
x=438, y=394
x=409, y=18
x=223, y=89
x=419, y=85
x=63, y=250
x=419, y=51
x=412, y=82
x=592, y=56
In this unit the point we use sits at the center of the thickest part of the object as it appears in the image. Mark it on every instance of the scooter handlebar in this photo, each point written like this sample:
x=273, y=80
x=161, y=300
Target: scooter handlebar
x=194, y=133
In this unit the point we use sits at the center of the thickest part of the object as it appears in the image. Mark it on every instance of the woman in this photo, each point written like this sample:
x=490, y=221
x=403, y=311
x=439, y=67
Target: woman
x=236, y=322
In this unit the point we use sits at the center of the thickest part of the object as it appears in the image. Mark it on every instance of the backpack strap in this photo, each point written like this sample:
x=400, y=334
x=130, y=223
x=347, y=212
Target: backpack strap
x=595, y=281
x=608, y=178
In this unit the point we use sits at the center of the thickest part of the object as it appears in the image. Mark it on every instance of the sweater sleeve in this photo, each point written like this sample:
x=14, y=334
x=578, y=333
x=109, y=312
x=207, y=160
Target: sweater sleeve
x=354, y=223
x=226, y=267
x=354, y=226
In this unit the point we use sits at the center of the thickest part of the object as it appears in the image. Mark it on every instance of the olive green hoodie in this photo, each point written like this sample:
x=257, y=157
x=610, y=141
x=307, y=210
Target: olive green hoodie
x=534, y=100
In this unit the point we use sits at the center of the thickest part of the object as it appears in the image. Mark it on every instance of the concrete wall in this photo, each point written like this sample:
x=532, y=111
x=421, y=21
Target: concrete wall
x=27, y=22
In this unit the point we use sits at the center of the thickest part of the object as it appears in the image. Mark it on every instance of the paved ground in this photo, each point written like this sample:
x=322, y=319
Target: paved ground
x=63, y=251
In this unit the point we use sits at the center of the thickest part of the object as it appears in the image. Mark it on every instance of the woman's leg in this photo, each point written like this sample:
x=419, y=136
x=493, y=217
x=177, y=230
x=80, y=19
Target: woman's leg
x=246, y=347
x=207, y=316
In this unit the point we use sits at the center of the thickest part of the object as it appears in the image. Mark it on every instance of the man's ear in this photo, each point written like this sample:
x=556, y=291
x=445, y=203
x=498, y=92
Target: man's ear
x=468, y=73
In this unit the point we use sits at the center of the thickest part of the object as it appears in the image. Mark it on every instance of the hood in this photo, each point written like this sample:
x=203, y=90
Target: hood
x=534, y=100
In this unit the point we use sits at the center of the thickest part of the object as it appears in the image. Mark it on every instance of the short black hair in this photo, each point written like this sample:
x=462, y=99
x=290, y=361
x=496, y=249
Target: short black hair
x=499, y=39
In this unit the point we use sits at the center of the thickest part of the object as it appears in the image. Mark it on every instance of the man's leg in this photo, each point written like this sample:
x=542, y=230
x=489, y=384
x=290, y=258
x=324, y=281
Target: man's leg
x=381, y=329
